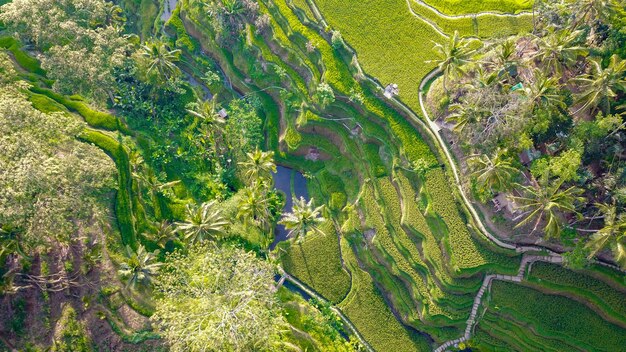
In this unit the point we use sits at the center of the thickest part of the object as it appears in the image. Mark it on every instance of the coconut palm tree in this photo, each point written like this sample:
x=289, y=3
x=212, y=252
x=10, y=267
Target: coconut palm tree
x=206, y=111
x=211, y=123
x=163, y=232
x=505, y=55
x=139, y=267
x=155, y=188
x=591, y=11
x=259, y=164
x=253, y=206
x=453, y=55
x=203, y=222
x=160, y=61
x=114, y=15
x=543, y=201
x=495, y=172
x=611, y=235
x=465, y=113
x=303, y=219
x=543, y=93
x=603, y=84
x=558, y=50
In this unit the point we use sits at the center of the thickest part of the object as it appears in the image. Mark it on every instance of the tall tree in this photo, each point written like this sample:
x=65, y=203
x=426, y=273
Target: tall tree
x=253, y=207
x=139, y=267
x=163, y=232
x=612, y=235
x=543, y=92
x=592, y=11
x=217, y=299
x=203, y=222
x=259, y=165
x=495, y=172
x=544, y=201
x=303, y=219
x=211, y=124
x=466, y=113
x=558, y=50
x=603, y=84
x=160, y=61
x=154, y=186
x=453, y=55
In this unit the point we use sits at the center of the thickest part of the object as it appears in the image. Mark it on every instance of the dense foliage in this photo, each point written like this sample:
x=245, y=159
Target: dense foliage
x=44, y=170
x=557, y=93
x=217, y=299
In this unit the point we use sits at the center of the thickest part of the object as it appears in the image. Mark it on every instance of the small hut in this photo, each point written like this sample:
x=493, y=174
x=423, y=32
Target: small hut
x=391, y=90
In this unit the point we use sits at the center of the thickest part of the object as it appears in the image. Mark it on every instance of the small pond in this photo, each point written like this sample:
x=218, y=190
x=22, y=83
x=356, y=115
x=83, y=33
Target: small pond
x=293, y=184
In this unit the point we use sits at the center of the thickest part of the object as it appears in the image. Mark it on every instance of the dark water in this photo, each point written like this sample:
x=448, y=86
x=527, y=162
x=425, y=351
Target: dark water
x=169, y=6
x=283, y=182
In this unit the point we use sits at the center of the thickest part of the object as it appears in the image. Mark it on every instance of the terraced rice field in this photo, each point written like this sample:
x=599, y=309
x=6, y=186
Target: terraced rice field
x=401, y=257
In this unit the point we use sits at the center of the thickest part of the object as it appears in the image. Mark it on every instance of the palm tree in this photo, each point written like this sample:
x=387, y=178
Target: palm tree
x=465, y=113
x=494, y=172
x=542, y=203
x=543, y=92
x=603, y=84
x=303, y=219
x=203, y=222
x=612, y=234
x=139, y=267
x=163, y=232
x=211, y=123
x=452, y=56
x=253, y=206
x=155, y=188
x=558, y=50
x=259, y=165
x=9, y=243
x=206, y=111
x=591, y=11
x=504, y=58
x=161, y=60
x=114, y=15
x=232, y=7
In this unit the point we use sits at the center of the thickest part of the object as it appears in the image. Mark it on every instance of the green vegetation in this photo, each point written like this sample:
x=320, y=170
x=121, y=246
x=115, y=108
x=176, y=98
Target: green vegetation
x=508, y=105
x=197, y=109
x=454, y=7
x=561, y=322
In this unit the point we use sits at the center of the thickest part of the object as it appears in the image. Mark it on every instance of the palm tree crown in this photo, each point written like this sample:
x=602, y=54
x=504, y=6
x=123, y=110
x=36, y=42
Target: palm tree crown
x=494, y=172
x=139, y=267
x=452, y=56
x=611, y=235
x=253, y=206
x=160, y=60
x=542, y=203
x=303, y=219
x=603, y=84
x=559, y=51
x=259, y=164
x=203, y=222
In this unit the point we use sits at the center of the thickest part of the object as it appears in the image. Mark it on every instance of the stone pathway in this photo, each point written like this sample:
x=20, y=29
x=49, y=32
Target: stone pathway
x=527, y=261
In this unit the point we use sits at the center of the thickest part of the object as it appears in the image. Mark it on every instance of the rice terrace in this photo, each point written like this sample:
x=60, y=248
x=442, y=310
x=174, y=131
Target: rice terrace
x=313, y=175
